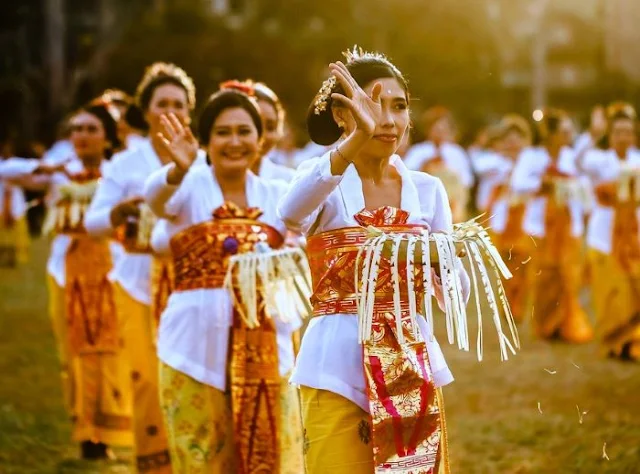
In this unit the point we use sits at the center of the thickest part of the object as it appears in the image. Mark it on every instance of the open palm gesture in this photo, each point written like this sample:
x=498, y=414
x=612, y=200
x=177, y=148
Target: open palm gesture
x=178, y=142
x=366, y=110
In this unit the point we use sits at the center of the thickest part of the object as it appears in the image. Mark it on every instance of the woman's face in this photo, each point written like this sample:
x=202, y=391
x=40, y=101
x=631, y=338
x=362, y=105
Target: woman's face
x=441, y=131
x=622, y=135
x=88, y=136
x=513, y=143
x=272, y=129
x=233, y=142
x=387, y=137
x=166, y=99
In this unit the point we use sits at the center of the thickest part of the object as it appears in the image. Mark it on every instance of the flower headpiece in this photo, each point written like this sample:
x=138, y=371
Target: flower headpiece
x=621, y=108
x=246, y=87
x=356, y=54
x=160, y=69
x=110, y=99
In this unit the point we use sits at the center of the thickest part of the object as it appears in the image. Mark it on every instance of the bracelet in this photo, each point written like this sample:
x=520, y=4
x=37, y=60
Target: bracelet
x=337, y=150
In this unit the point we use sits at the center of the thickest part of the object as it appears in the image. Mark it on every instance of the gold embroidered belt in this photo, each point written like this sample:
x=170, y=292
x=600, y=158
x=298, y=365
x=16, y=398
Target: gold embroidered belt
x=201, y=252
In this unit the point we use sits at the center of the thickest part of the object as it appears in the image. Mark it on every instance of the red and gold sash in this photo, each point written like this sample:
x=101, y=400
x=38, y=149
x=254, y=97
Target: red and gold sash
x=625, y=243
x=91, y=313
x=67, y=217
x=201, y=256
x=557, y=220
x=403, y=402
x=162, y=285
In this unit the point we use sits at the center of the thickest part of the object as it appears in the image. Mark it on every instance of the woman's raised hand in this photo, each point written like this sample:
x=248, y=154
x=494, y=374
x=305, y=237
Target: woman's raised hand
x=178, y=142
x=366, y=110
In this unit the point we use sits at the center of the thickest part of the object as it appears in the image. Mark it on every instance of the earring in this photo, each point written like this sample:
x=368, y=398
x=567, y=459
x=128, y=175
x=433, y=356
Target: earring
x=341, y=124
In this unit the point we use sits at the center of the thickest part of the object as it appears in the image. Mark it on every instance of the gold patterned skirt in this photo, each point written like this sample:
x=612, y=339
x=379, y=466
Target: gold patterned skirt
x=96, y=386
x=199, y=425
x=138, y=329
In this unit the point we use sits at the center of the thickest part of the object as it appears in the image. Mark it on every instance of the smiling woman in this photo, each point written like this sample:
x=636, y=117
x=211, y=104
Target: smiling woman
x=217, y=370
x=370, y=403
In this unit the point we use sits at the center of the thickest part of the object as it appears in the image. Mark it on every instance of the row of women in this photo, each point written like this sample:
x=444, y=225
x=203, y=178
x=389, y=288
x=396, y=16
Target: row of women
x=157, y=348
x=563, y=213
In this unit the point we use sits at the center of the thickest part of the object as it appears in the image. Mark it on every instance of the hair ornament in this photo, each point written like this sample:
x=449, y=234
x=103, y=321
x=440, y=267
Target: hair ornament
x=246, y=87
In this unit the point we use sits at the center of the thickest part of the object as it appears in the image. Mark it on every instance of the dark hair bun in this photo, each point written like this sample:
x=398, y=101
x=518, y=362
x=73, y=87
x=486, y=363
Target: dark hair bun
x=322, y=128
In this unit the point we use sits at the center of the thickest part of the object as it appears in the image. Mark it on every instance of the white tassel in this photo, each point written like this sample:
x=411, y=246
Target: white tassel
x=469, y=236
x=285, y=279
x=395, y=276
x=476, y=297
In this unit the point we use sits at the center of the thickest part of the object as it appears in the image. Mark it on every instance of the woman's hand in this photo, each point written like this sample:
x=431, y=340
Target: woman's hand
x=124, y=209
x=366, y=111
x=179, y=144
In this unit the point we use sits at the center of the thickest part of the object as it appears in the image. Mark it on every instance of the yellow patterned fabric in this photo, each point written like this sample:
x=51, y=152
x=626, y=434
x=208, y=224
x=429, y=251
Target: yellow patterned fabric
x=96, y=384
x=14, y=243
x=616, y=300
x=338, y=436
x=291, y=439
x=138, y=333
x=200, y=429
x=199, y=424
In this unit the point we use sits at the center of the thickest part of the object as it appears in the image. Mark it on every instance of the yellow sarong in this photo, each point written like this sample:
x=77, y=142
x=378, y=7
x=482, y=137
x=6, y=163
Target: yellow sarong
x=95, y=385
x=14, y=243
x=137, y=328
x=199, y=425
x=616, y=300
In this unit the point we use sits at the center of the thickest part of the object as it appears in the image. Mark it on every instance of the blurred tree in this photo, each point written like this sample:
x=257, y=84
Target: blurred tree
x=444, y=49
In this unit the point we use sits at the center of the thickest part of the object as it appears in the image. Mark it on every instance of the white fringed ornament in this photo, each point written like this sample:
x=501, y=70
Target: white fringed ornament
x=281, y=277
x=70, y=208
x=468, y=237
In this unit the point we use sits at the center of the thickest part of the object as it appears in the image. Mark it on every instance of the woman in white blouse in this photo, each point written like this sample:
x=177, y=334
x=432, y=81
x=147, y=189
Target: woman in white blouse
x=507, y=211
x=547, y=178
x=95, y=371
x=217, y=403
x=612, y=234
x=273, y=116
x=440, y=156
x=363, y=112
x=117, y=211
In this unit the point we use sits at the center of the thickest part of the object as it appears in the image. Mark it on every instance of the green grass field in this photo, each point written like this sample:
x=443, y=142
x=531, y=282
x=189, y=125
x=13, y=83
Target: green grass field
x=520, y=416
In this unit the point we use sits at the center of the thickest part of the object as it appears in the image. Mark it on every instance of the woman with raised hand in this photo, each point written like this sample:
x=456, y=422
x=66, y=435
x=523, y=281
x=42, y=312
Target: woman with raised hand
x=118, y=211
x=223, y=380
x=358, y=398
x=95, y=370
x=547, y=178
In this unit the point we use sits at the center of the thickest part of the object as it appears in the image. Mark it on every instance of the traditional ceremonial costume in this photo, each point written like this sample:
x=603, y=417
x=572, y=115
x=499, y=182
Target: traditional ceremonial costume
x=95, y=370
x=614, y=249
x=554, y=218
x=506, y=212
x=375, y=407
x=223, y=380
x=139, y=306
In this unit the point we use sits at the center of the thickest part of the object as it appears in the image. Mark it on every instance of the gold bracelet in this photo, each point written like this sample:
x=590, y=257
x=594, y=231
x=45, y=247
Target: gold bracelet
x=337, y=150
